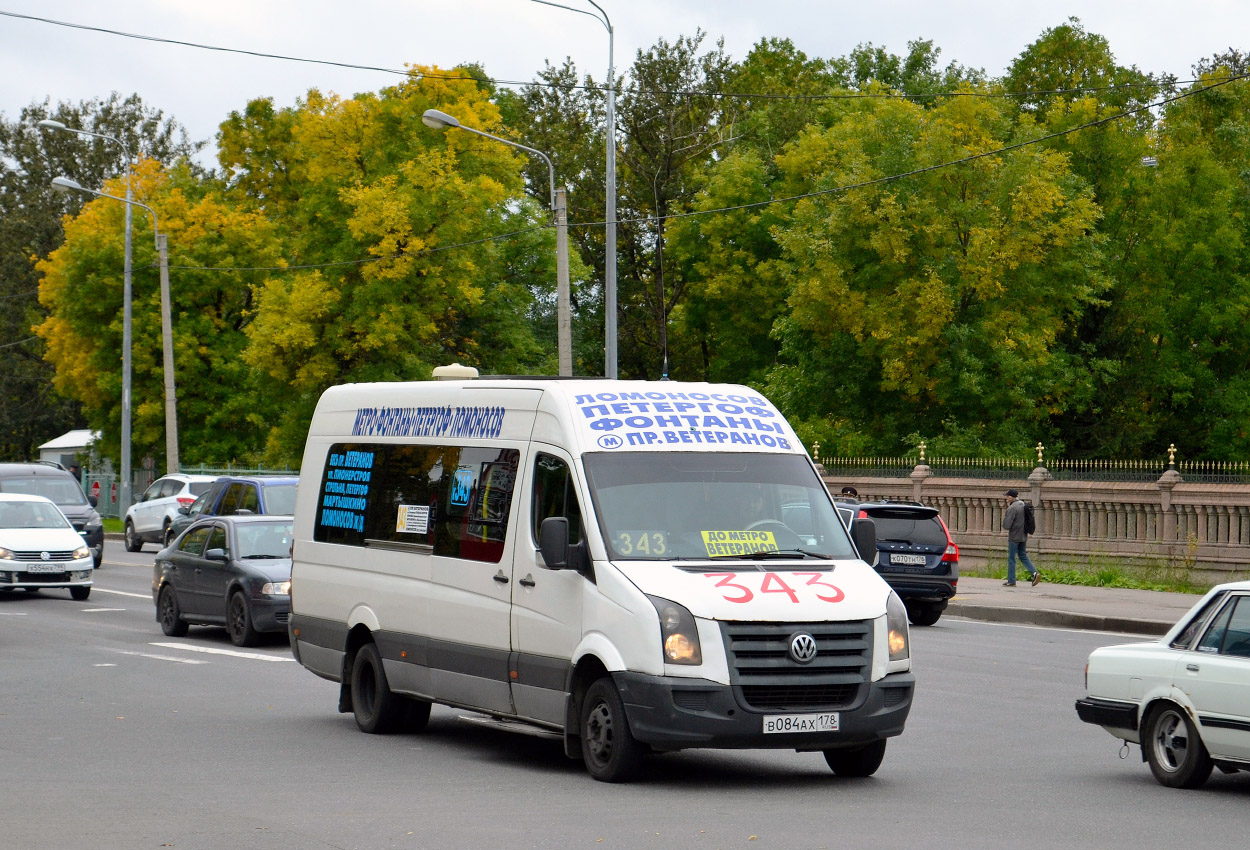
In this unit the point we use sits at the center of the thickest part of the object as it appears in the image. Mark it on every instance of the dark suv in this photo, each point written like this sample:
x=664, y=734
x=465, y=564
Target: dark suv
x=915, y=554
x=60, y=486
x=230, y=494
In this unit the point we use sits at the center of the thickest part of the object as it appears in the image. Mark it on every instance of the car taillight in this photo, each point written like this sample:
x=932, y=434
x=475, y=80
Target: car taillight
x=863, y=514
x=185, y=500
x=951, y=555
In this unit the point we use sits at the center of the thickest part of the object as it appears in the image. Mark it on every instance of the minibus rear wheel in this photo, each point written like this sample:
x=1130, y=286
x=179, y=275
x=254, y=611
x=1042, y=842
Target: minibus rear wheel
x=378, y=711
x=609, y=749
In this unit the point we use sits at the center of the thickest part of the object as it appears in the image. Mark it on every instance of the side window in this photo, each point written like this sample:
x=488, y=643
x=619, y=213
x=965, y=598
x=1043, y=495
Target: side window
x=170, y=487
x=231, y=501
x=217, y=540
x=153, y=491
x=250, y=501
x=193, y=543
x=1186, y=638
x=555, y=495
x=1229, y=633
x=1213, y=640
x=456, y=499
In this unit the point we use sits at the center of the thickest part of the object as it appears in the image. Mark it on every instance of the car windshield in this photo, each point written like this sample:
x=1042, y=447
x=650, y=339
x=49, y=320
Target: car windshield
x=63, y=490
x=264, y=539
x=685, y=505
x=31, y=515
x=280, y=499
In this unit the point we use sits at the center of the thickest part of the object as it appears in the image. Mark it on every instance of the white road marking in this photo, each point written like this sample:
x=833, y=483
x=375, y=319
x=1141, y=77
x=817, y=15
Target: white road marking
x=212, y=650
x=95, y=588
x=12, y=613
x=104, y=665
x=161, y=657
x=97, y=610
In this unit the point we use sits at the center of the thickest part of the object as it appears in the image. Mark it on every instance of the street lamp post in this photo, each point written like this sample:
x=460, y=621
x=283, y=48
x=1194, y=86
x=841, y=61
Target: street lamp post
x=439, y=120
x=123, y=490
x=64, y=184
x=609, y=258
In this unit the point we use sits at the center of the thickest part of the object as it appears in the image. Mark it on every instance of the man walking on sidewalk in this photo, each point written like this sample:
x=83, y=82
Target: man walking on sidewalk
x=1017, y=537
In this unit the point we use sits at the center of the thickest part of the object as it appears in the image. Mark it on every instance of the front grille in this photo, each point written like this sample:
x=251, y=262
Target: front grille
x=282, y=617
x=38, y=556
x=690, y=700
x=765, y=675
x=895, y=696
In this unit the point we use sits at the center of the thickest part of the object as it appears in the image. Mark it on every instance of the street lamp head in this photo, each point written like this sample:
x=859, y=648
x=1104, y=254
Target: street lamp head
x=438, y=120
x=64, y=184
x=49, y=124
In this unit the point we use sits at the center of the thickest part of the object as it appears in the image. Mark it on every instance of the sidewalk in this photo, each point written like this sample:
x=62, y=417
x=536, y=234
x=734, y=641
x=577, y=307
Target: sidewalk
x=1109, y=609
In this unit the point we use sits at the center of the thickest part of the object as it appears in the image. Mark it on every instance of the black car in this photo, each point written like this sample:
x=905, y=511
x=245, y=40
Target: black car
x=259, y=494
x=232, y=571
x=915, y=554
x=53, y=482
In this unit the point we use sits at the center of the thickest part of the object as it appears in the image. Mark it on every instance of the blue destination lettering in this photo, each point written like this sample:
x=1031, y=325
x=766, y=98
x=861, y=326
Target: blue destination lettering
x=342, y=519
x=349, y=503
x=428, y=422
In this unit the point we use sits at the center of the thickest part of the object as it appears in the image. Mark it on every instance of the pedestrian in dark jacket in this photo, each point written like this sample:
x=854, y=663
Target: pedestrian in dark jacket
x=1017, y=539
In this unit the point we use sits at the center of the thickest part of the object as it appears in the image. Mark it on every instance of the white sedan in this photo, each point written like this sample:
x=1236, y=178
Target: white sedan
x=1184, y=698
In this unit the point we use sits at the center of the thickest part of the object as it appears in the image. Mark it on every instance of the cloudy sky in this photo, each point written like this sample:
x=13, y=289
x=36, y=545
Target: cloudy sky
x=513, y=39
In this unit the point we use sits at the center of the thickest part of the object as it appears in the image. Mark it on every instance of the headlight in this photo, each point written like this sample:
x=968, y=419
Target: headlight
x=678, y=634
x=896, y=626
x=82, y=552
x=5, y=554
x=276, y=588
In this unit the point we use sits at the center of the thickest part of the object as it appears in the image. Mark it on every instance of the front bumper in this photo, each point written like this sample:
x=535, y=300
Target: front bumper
x=270, y=613
x=671, y=713
x=76, y=574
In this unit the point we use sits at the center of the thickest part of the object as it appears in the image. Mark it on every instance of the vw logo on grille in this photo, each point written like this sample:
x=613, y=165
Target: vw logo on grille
x=803, y=648
x=44, y=556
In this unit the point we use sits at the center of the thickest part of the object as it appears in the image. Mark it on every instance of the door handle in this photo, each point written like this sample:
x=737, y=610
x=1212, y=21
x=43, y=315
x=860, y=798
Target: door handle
x=1192, y=668
x=500, y=577
x=528, y=581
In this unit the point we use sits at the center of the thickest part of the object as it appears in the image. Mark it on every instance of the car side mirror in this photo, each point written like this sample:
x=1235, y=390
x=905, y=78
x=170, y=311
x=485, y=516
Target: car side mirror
x=216, y=555
x=92, y=500
x=553, y=542
x=185, y=510
x=864, y=535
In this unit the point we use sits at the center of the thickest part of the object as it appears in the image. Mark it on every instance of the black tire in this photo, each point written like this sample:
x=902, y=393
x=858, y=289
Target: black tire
x=418, y=715
x=80, y=594
x=923, y=613
x=239, y=621
x=97, y=557
x=857, y=762
x=378, y=711
x=169, y=614
x=133, y=542
x=1177, y=756
x=609, y=749
x=167, y=534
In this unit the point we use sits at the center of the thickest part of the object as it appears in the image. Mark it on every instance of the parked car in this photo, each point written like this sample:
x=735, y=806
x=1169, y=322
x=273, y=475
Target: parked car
x=39, y=548
x=1184, y=698
x=232, y=571
x=915, y=554
x=53, y=482
x=271, y=495
x=149, y=519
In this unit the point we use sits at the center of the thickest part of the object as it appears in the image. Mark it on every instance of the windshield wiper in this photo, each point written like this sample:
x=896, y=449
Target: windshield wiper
x=768, y=554
x=247, y=557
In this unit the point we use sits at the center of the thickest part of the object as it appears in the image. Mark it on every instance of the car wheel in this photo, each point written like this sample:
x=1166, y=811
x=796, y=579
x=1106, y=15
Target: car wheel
x=378, y=711
x=133, y=543
x=239, y=621
x=418, y=716
x=609, y=749
x=79, y=594
x=97, y=557
x=1177, y=756
x=857, y=762
x=169, y=534
x=169, y=614
x=922, y=614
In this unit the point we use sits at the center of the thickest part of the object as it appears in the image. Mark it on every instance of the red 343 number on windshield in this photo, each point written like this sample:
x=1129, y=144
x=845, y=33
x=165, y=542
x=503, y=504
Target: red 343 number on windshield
x=738, y=588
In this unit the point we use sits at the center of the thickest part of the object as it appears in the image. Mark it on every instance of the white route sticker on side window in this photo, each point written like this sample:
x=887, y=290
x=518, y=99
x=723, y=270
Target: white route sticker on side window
x=413, y=519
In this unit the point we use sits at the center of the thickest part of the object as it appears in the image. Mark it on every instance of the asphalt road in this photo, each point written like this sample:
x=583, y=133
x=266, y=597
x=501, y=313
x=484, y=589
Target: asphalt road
x=114, y=736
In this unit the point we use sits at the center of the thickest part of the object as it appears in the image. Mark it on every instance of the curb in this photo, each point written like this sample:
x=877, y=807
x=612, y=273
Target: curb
x=1064, y=619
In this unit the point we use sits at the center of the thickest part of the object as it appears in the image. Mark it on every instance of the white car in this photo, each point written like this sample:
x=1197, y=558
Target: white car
x=148, y=519
x=39, y=548
x=1184, y=698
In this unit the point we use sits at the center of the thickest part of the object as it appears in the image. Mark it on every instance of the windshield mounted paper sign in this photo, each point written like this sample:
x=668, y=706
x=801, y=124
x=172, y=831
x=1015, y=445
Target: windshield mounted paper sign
x=739, y=542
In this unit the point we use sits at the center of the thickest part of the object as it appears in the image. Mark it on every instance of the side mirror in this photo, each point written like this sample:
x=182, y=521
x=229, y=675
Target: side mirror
x=864, y=535
x=185, y=510
x=553, y=542
x=216, y=555
x=92, y=500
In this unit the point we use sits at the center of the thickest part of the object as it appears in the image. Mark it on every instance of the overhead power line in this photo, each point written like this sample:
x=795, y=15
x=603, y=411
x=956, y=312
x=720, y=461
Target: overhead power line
x=891, y=95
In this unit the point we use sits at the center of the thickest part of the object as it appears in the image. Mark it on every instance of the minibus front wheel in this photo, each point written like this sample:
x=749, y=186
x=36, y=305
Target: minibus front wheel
x=609, y=749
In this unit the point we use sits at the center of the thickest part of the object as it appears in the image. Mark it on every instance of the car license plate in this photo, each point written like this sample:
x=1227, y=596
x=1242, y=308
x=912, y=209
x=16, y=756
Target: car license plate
x=781, y=723
x=44, y=568
x=916, y=560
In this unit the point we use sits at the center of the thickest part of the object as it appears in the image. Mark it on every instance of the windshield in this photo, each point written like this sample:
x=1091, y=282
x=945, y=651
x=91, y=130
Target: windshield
x=280, y=499
x=264, y=539
x=656, y=506
x=63, y=490
x=31, y=515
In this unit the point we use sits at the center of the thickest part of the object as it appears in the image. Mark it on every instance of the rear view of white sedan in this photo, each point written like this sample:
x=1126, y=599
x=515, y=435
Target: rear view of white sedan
x=1184, y=698
x=39, y=548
